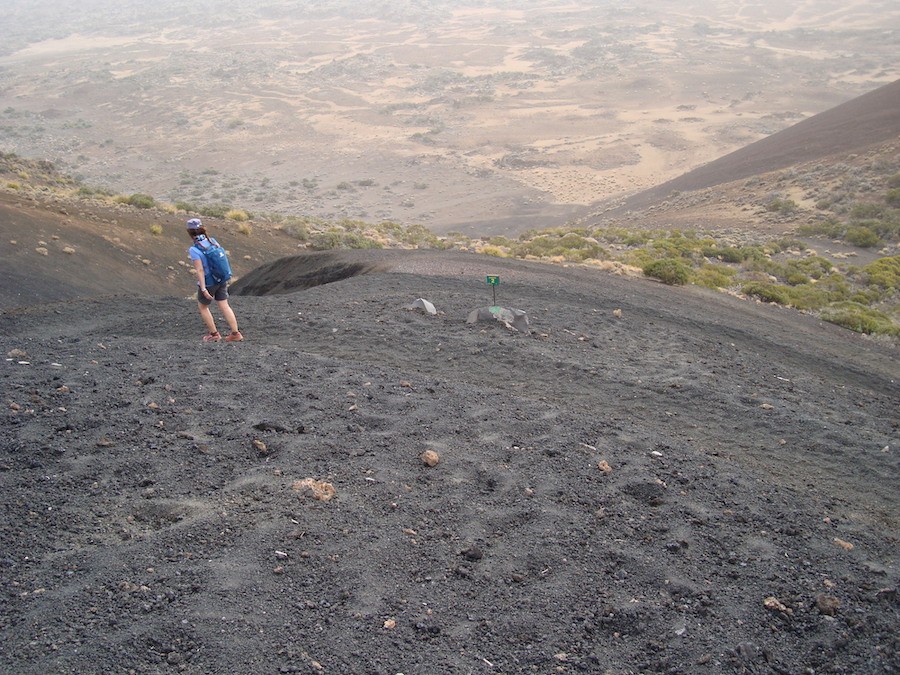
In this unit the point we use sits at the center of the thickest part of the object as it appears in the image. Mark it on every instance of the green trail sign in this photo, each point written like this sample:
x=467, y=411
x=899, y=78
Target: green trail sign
x=493, y=281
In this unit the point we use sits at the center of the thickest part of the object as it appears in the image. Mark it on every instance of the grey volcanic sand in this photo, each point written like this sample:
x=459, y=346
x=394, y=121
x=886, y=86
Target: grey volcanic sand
x=674, y=487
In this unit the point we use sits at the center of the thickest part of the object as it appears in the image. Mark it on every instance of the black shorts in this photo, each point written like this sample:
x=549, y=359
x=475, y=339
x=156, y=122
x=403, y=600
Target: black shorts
x=219, y=293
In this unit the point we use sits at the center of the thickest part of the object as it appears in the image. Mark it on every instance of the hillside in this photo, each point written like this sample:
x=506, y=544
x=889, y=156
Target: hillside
x=60, y=246
x=867, y=125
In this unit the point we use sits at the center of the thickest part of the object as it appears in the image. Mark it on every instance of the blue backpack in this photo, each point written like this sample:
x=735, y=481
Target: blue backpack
x=218, y=269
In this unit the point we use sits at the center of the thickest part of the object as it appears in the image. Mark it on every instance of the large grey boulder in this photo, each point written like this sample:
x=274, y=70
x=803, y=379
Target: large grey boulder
x=514, y=319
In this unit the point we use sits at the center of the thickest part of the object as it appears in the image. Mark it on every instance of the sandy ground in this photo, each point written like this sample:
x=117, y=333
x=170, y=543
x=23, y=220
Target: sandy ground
x=653, y=479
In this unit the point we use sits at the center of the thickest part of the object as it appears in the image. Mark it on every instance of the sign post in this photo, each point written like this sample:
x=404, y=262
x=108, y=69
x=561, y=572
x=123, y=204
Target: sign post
x=493, y=281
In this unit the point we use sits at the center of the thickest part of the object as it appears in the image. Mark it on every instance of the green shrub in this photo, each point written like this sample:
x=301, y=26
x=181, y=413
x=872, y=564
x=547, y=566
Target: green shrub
x=861, y=319
x=421, y=237
x=669, y=271
x=141, y=201
x=324, y=241
x=883, y=273
x=296, y=229
x=156, y=230
x=789, y=244
x=814, y=266
x=864, y=210
x=796, y=278
x=713, y=276
x=894, y=181
x=807, y=297
x=571, y=246
x=861, y=236
x=893, y=196
x=493, y=251
x=358, y=241
x=767, y=292
x=729, y=254
x=214, y=210
x=829, y=228
x=784, y=206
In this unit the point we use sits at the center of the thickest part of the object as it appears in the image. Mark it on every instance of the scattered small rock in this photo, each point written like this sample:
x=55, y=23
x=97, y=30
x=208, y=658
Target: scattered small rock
x=317, y=489
x=472, y=553
x=604, y=466
x=775, y=605
x=261, y=448
x=827, y=604
x=846, y=545
x=430, y=458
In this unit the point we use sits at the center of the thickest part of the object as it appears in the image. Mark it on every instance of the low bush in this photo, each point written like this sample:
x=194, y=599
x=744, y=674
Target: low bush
x=141, y=201
x=862, y=236
x=860, y=318
x=784, y=206
x=570, y=246
x=238, y=215
x=669, y=271
x=713, y=276
x=729, y=254
x=296, y=229
x=883, y=273
x=767, y=292
x=493, y=251
x=214, y=210
x=156, y=230
x=324, y=241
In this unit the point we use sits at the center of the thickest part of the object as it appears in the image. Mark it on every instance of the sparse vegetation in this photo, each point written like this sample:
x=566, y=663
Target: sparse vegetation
x=783, y=270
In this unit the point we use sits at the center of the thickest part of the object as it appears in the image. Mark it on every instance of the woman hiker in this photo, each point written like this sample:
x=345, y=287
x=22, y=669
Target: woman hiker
x=210, y=289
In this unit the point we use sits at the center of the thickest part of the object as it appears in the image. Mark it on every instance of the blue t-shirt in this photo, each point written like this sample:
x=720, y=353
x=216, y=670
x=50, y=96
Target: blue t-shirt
x=196, y=254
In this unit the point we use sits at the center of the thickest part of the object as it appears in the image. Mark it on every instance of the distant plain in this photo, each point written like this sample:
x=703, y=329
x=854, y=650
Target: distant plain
x=474, y=117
